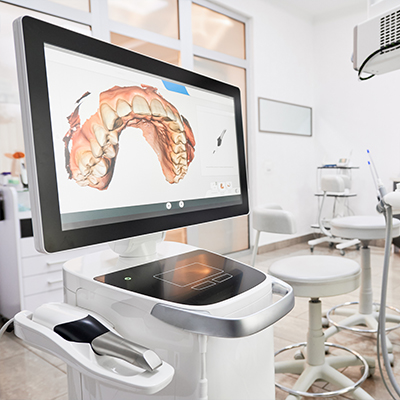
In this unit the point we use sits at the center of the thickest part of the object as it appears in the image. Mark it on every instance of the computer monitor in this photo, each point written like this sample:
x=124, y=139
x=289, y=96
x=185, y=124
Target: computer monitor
x=119, y=144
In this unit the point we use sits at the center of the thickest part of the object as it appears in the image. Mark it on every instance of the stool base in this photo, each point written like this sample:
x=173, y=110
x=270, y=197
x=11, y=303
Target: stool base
x=327, y=372
x=355, y=318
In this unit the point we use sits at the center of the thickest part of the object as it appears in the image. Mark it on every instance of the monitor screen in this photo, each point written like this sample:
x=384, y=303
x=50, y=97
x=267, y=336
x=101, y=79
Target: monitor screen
x=119, y=144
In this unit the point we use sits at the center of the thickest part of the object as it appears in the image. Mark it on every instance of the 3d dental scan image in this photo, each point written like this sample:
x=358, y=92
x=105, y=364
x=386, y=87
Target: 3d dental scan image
x=95, y=144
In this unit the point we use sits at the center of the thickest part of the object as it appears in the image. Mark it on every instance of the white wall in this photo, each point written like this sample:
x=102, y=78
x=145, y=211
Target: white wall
x=352, y=114
x=282, y=167
x=308, y=62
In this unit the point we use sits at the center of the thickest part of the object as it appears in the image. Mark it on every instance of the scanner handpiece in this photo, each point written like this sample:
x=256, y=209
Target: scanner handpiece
x=106, y=343
x=111, y=344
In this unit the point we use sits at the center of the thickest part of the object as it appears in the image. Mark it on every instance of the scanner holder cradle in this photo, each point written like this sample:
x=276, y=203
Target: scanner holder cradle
x=110, y=370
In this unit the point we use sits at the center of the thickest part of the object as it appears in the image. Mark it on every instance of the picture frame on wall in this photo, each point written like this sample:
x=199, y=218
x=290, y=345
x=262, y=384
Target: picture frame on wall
x=280, y=117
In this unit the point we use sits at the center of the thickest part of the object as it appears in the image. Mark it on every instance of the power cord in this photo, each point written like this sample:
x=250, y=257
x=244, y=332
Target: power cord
x=372, y=55
x=5, y=326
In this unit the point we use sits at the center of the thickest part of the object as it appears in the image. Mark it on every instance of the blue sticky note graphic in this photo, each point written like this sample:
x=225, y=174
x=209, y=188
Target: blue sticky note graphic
x=175, y=87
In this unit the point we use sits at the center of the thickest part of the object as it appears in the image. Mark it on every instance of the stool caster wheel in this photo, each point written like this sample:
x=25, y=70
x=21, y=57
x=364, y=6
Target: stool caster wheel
x=371, y=371
x=358, y=246
x=391, y=359
x=342, y=252
x=325, y=322
x=299, y=355
x=331, y=244
x=312, y=249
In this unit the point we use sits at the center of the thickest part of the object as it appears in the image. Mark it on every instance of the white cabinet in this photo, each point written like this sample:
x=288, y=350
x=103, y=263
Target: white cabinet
x=27, y=278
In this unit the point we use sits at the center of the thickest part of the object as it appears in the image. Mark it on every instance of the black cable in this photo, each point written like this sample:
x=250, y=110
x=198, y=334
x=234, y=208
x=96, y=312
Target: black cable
x=6, y=326
x=372, y=55
x=365, y=63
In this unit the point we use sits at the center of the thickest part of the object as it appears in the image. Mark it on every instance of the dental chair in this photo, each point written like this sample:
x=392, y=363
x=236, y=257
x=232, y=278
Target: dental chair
x=314, y=277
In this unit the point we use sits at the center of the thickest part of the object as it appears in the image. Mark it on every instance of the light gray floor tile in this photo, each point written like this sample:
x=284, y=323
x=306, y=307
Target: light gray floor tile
x=30, y=374
x=293, y=328
x=26, y=376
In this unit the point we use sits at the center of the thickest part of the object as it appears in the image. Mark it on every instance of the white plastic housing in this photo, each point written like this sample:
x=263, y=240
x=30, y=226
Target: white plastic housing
x=110, y=371
x=235, y=369
x=332, y=183
x=393, y=199
x=373, y=34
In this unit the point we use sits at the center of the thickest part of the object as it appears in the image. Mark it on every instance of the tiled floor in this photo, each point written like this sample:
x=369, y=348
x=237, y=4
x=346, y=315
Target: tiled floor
x=30, y=374
x=293, y=328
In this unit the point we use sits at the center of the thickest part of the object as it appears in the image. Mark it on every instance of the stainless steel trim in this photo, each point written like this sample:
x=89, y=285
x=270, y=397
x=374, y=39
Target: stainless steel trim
x=206, y=324
x=110, y=344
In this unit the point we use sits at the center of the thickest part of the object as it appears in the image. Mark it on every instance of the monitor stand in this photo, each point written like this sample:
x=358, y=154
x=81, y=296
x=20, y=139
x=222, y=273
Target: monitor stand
x=136, y=250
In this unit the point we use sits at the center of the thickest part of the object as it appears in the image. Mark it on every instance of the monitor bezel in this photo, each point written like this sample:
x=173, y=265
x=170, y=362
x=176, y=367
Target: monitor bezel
x=31, y=35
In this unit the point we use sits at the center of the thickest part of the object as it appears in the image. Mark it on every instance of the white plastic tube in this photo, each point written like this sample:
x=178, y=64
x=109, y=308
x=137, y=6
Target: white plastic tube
x=203, y=388
x=382, y=312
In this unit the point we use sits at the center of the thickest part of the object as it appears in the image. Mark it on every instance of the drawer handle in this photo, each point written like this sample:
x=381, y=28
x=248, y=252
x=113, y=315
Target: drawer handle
x=52, y=281
x=50, y=263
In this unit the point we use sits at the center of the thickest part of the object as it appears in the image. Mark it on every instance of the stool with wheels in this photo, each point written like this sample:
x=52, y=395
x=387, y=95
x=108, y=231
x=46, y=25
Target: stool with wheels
x=364, y=228
x=314, y=277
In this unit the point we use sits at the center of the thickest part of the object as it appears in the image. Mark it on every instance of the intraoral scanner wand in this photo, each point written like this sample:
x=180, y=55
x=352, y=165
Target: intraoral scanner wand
x=80, y=327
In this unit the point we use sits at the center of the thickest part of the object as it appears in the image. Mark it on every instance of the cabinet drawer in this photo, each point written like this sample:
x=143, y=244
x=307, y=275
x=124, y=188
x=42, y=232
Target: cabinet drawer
x=28, y=247
x=42, y=283
x=31, y=303
x=42, y=264
x=34, y=262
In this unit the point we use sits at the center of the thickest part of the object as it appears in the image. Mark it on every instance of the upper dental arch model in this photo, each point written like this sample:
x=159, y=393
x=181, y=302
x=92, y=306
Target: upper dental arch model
x=90, y=160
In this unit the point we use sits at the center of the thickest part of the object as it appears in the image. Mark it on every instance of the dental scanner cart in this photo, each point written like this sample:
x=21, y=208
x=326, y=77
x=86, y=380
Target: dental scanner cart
x=146, y=319
x=204, y=315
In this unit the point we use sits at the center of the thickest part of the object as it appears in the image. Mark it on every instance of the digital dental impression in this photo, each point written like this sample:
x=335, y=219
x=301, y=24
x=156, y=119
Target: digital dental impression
x=91, y=158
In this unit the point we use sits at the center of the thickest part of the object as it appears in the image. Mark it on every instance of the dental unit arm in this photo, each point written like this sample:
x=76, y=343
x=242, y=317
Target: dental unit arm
x=389, y=203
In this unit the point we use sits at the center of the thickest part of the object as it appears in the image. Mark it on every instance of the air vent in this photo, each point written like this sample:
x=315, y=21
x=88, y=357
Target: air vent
x=390, y=30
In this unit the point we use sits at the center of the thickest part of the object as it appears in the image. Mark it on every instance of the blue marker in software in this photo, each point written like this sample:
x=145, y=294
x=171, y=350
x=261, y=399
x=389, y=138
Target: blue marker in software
x=175, y=87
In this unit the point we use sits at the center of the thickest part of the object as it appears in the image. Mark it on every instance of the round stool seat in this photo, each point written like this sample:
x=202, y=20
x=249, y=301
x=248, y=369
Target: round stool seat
x=368, y=227
x=318, y=276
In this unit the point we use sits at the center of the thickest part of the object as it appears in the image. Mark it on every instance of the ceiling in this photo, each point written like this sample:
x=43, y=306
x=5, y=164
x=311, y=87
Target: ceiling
x=321, y=8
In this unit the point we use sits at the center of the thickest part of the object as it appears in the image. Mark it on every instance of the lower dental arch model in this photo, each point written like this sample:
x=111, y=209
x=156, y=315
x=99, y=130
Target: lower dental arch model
x=90, y=160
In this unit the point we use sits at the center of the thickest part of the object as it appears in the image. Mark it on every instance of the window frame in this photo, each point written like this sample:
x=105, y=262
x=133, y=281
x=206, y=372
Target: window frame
x=101, y=26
